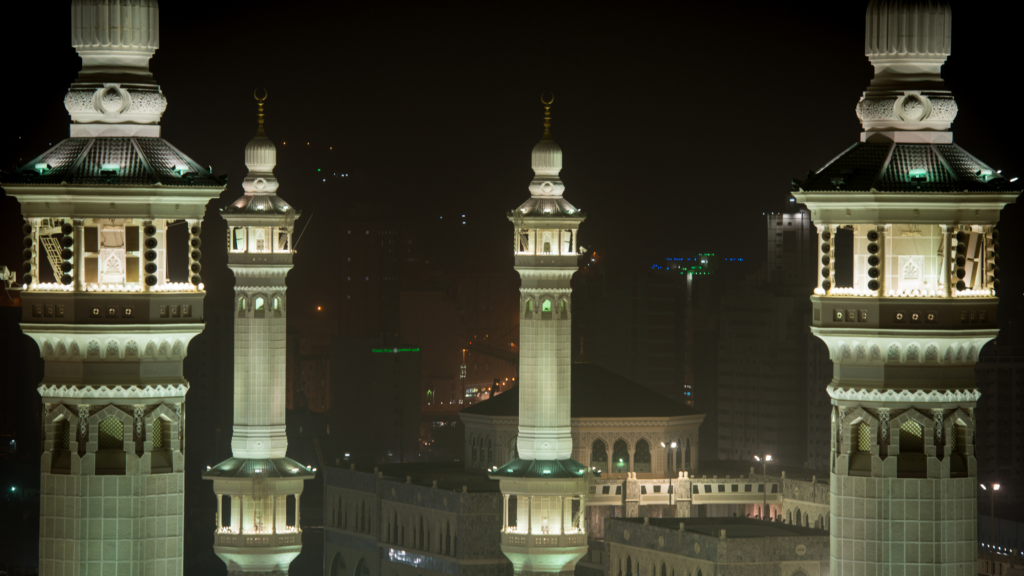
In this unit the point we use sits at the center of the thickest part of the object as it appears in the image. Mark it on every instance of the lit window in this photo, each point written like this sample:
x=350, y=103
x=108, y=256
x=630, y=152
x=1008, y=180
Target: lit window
x=546, y=307
x=277, y=304
x=259, y=304
x=241, y=304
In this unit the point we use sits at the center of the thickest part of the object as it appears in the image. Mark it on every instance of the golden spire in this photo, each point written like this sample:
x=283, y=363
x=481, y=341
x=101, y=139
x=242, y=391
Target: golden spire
x=547, y=118
x=259, y=111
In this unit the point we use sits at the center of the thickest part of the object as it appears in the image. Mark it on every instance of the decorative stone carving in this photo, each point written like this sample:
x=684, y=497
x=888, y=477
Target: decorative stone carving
x=112, y=99
x=112, y=349
x=947, y=396
x=943, y=109
x=139, y=413
x=131, y=349
x=871, y=109
x=93, y=349
x=914, y=108
x=83, y=419
x=62, y=349
x=883, y=415
x=73, y=350
x=76, y=101
x=113, y=391
x=937, y=416
x=147, y=103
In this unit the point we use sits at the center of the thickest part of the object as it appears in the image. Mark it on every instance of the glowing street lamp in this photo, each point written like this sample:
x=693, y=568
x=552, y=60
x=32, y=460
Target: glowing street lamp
x=992, y=512
x=764, y=472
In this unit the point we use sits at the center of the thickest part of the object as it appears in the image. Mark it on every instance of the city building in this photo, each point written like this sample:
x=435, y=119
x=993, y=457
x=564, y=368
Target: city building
x=712, y=546
x=98, y=301
x=258, y=530
x=1000, y=440
x=905, y=332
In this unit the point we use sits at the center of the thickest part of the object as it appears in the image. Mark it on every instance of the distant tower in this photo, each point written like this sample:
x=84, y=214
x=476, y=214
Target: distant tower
x=252, y=532
x=544, y=489
x=110, y=325
x=905, y=336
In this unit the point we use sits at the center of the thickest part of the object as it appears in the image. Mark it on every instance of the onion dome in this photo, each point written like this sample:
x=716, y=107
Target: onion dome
x=260, y=184
x=546, y=188
x=907, y=42
x=260, y=152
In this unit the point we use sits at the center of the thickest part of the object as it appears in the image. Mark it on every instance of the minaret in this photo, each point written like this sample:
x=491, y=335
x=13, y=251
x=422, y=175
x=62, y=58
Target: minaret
x=544, y=488
x=905, y=336
x=99, y=300
x=260, y=486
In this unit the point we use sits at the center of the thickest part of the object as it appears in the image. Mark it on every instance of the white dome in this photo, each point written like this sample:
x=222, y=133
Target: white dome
x=898, y=28
x=547, y=158
x=260, y=154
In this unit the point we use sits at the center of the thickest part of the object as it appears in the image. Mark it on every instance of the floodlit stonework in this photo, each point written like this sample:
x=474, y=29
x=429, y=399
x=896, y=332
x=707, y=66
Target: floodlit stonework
x=905, y=336
x=111, y=328
x=544, y=527
x=259, y=487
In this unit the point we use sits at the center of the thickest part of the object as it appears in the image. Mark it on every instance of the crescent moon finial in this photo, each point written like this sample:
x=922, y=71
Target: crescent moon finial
x=547, y=117
x=259, y=110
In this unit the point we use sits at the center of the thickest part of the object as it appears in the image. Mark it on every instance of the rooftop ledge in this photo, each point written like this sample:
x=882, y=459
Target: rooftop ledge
x=864, y=293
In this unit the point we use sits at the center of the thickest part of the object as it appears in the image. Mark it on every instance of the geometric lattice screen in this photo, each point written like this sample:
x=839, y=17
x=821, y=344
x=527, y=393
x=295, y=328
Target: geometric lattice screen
x=863, y=437
x=158, y=433
x=911, y=437
x=111, y=434
x=952, y=438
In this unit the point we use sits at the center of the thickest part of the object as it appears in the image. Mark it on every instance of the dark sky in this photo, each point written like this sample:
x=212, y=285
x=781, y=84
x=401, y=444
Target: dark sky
x=680, y=123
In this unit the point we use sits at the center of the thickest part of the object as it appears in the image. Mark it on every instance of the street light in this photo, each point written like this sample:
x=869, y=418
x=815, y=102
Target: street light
x=764, y=472
x=992, y=513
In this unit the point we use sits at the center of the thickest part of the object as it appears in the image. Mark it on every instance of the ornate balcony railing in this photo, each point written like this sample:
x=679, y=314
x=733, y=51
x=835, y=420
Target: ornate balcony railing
x=257, y=540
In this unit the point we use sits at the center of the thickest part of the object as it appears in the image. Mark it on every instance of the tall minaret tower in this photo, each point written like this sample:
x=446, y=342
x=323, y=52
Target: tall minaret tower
x=905, y=336
x=261, y=485
x=99, y=300
x=544, y=488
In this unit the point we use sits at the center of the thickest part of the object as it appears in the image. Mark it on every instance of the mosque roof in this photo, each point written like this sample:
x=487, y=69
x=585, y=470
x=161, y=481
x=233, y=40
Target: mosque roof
x=243, y=468
x=546, y=469
x=114, y=161
x=901, y=168
x=596, y=393
x=259, y=204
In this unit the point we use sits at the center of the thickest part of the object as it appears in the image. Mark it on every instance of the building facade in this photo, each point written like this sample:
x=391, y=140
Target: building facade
x=259, y=488
x=905, y=335
x=110, y=325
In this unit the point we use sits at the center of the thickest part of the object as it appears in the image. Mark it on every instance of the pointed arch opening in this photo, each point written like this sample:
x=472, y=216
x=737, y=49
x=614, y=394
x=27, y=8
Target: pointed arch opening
x=110, y=454
x=599, y=455
x=620, y=456
x=642, y=456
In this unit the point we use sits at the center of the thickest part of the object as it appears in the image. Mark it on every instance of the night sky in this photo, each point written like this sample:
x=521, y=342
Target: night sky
x=680, y=126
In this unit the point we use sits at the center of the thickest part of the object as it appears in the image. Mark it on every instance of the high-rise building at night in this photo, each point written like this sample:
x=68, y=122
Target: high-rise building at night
x=904, y=335
x=110, y=325
x=544, y=489
x=259, y=483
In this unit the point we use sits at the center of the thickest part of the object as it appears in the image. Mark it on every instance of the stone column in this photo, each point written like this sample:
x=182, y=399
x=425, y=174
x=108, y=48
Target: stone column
x=945, y=275
x=79, y=262
x=504, y=512
x=297, y=525
x=273, y=514
x=220, y=507
x=632, y=450
x=561, y=514
x=529, y=515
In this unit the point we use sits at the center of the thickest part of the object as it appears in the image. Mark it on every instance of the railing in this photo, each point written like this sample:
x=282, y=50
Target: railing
x=257, y=540
x=543, y=540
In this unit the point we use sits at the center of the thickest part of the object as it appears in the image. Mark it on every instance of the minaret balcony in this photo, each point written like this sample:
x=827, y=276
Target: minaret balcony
x=523, y=540
x=229, y=539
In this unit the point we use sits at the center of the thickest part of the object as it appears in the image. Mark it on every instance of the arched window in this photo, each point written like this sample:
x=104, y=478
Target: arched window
x=61, y=462
x=958, y=437
x=911, y=437
x=277, y=303
x=261, y=241
x=863, y=437
x=686, y=456
x=338, y=566
x=546, y=307
x=362, y=569
x=664, y=569
x=620, y=456
x=238, y=240
x=529, y=305
x=563, y=309
x=259, y=304
x=629, y=566
x=642, y=457
x=599, y=455
x=241, y=304
x=547, y=243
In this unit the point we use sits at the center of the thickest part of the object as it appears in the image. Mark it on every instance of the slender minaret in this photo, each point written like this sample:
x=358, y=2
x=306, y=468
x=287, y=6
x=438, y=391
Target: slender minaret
x=544, y=488
x=905, y=336
x=262, y=486
x=97, y=299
